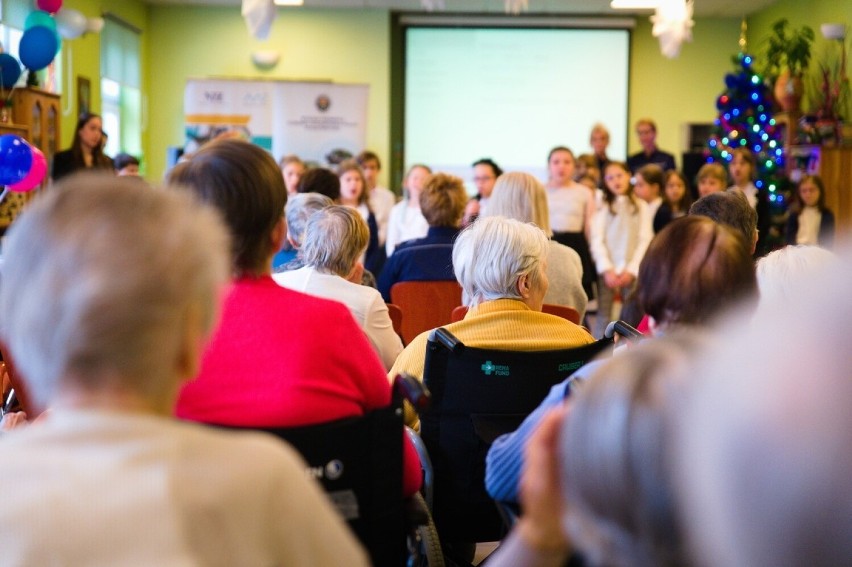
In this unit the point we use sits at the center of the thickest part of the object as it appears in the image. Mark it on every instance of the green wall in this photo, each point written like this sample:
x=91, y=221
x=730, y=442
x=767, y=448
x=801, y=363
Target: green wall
x=683, y=90
x=346, y=46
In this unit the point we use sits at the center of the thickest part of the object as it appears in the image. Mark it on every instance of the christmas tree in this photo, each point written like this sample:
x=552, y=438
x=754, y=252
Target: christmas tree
x=745, y=121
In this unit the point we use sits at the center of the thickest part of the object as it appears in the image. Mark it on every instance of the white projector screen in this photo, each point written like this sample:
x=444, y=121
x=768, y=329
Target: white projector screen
x=511, y=95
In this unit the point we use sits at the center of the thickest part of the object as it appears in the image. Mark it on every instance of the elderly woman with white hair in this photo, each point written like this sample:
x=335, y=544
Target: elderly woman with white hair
x=106, y=312
x=298, y=210
x=335, y=237
x=521, y=196
x=501, y=265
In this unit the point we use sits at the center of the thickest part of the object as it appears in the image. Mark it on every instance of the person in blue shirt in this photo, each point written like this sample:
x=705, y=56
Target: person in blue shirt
x=442, y=203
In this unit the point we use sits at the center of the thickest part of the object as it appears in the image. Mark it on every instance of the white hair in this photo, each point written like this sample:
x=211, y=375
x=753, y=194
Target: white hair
x=764, y=450
x=299, y=209
x=102, y=276
x=493, y=253
x=779, y=271
x=334, y=239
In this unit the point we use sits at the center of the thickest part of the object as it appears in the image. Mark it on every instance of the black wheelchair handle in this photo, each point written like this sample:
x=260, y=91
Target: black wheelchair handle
x=445, y=339
x=413, y=390
x=622, y=329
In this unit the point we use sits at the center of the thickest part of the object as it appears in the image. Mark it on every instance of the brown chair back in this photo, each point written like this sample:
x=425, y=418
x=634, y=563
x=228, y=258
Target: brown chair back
x=425, y=305
x=396, y=317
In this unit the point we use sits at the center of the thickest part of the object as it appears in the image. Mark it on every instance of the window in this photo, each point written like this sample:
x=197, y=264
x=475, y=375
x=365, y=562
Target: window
x=121, y=97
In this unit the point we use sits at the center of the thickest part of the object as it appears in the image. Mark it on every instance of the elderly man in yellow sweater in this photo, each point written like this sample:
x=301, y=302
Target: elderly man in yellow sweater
x=501, y=265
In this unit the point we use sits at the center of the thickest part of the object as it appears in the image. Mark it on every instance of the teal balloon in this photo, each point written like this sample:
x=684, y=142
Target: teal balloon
x=38, y=47
x=39, y=18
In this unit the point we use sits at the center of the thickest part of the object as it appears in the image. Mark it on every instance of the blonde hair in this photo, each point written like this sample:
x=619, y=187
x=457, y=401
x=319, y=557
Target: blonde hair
x=713, y=171
x=442, y=200
x=522, y=197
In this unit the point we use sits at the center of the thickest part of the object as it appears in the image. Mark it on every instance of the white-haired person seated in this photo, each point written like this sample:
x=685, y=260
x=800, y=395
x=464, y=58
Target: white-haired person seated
x=521, y=196
x=334, y=240
x=299, y=208
x=596, y=482
x=763, y=445
x=501, y=265
x=779, y=272
x=106, y=312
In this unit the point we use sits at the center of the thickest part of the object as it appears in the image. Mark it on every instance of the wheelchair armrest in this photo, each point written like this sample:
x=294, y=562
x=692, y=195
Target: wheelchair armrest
x=413, y=390
x=623, y=329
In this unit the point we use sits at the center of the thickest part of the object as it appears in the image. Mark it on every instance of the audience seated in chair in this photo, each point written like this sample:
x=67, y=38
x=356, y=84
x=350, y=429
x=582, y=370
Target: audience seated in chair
x=596, y=480
x=442, y=203
x=106, y=313
x=693, y=270
x=522, y=197
x=334, y=239
x=501, y=265
x=279, y=357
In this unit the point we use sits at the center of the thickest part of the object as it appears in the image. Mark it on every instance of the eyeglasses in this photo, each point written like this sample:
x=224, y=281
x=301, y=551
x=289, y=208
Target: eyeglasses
x=486, y=178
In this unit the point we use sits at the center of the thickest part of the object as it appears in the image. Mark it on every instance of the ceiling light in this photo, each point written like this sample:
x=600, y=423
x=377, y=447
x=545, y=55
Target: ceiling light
x=289, y=2
x=634, y=4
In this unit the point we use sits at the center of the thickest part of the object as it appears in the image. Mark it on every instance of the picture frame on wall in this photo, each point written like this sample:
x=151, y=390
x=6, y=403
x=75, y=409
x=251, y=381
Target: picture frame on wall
x=84, y=95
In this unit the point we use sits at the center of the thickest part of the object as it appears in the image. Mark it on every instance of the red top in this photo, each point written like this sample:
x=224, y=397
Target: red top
x=281, y=358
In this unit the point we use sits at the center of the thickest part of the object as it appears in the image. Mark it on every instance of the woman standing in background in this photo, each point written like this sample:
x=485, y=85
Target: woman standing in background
x=87, y=149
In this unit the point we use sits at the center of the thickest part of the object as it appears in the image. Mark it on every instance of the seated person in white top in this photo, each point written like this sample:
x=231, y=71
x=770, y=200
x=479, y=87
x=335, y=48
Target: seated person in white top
x=406, y=220
x=105, y=314
x=335, y=237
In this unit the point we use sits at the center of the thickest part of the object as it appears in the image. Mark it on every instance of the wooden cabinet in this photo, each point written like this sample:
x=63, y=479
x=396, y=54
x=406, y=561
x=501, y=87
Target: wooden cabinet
x=41, y=111
x=36, y=117
x=835, y=169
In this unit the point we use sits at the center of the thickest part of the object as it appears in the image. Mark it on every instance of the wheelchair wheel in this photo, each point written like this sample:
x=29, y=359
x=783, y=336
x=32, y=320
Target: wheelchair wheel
x=430, y=545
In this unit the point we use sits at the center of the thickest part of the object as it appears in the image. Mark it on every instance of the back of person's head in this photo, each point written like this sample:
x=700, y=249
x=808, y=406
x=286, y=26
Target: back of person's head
x=368, y=156
x=520, y=196
x=299, y=208
x=123, y=160
x=492, y=254
x=442, y=200
x=729, y=208
x=335, y=237
x=108, y=278
x=490, y=163
x=245, y=184
x=764, y=434
x=614, y=461
x=693, y=270
x=779, y=272
x=320, y=180
x=713, y=171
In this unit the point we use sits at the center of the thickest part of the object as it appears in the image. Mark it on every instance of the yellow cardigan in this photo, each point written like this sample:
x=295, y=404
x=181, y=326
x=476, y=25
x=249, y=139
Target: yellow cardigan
x=502, y=324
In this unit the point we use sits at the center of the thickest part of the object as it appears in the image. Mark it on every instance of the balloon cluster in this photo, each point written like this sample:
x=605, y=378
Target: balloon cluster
x=44, y=29
x=22, y=166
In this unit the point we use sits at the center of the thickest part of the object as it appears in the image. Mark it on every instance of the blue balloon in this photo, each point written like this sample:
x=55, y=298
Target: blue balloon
x=38, y=47
x=10, y=71
x=16, y=159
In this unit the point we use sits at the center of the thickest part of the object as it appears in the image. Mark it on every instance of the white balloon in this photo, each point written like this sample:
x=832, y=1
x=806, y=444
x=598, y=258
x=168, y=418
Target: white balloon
x=70, y=23
x=94, y=25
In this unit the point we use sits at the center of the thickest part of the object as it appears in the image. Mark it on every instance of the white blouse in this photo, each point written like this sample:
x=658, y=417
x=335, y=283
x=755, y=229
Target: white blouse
x=809, y=221
x=568, y=206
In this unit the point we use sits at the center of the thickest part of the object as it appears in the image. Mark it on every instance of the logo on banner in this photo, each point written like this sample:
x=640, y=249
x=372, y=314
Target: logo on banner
x=214, y=96
x=255, y=99
x=323, y=102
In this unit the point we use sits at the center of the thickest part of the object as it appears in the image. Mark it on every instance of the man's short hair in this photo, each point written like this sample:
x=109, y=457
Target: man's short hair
x=442, y=200
x=122, y=160
x=647, y=122
x=245, y=184
x=366, y=156
x=102, y=275
x=731, y=209
x=335, y=237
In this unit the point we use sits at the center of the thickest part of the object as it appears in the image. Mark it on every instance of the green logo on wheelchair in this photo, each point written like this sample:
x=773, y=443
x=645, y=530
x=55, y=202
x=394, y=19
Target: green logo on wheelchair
x=489, y=368
x=570, y=366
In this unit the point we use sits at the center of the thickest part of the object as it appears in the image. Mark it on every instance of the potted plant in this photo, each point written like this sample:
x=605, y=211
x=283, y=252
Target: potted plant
x=787, y=55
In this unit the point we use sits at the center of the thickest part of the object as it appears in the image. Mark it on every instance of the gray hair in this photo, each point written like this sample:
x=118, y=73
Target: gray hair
x=764, y=444
x=104, y=276
x=334, y=239
x=491, y=255
x=520, y=196
x=780, y=270
x=299, y=209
